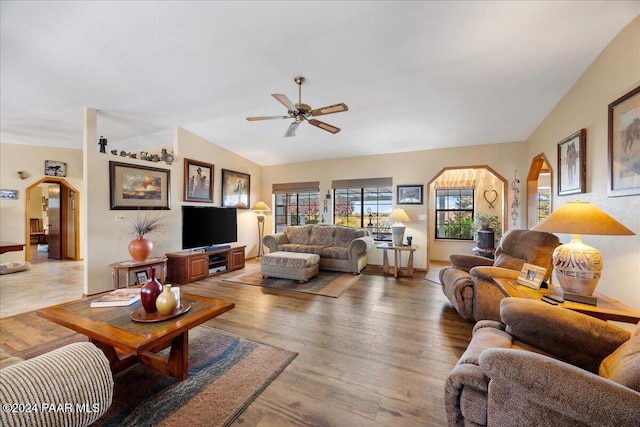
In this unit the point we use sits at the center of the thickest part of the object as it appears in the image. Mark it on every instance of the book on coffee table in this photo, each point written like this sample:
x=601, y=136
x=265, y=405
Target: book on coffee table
x=117, y=298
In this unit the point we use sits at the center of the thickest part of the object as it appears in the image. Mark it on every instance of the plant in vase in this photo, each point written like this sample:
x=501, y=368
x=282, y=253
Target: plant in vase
x=484, y=221
x=143, y=224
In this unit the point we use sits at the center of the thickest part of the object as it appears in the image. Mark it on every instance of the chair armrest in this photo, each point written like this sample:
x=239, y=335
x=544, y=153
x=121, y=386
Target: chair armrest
x=467, y=262
x=489, y=273
x=565, y=389
x=561, y=332
x=273, y=240
x=360, y=245
x=76, y=374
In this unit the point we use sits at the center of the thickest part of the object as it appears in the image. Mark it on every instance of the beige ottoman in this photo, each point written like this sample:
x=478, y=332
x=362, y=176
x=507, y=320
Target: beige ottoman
x=290, y=265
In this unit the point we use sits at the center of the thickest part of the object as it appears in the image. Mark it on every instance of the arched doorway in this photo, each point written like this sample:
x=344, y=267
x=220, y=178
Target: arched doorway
x=539, y=190
x=484, y=180
x=64, y=215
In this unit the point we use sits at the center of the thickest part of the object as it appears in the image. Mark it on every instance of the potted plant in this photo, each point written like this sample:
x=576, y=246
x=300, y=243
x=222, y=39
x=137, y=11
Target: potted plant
x=142, y=224
x=485, y=221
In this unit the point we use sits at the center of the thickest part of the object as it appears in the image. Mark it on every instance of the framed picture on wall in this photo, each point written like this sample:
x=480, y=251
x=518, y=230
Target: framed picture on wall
x=572, y=164
x=624, y=145
x=198, y=181
x=139, y=187
x=53, y=168
x=235, y=189
x=409, y=194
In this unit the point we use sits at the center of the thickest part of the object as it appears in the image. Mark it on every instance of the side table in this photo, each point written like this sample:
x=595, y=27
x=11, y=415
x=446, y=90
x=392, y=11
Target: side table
x=397, y=269
x=607, y=308
x=128, y=266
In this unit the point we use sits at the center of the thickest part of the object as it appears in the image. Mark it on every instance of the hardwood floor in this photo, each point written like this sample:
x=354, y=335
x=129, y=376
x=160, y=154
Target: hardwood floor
x=378, y=355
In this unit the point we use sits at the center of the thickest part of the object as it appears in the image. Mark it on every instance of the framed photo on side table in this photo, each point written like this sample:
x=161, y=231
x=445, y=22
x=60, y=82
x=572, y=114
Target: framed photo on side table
x=235, y=189
x=198, y=181
x=572, y=164
x=531, y=276
x=139, y=187
x=141, y=277
x=624, y=145
x=409, y=194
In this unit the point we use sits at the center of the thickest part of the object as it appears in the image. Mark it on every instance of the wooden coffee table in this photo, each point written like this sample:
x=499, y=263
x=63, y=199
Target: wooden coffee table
x=397, y=269
x=126, y=342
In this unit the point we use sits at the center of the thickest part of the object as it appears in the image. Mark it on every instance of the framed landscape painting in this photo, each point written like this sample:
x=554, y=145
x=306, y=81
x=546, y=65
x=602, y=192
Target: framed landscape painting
x=572, y=164
x=235, y=189
x=409, y=194
x=198, y=181
x=624, y=145
x=139, y=187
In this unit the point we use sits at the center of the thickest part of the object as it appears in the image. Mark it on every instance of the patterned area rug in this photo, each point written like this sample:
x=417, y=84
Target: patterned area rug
x=226, y=373
x=327, y=283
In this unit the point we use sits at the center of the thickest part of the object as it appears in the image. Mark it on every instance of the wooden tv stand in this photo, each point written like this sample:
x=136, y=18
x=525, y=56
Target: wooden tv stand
x=189, y=266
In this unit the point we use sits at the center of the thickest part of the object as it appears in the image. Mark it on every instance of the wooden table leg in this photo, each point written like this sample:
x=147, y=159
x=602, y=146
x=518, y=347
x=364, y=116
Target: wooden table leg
x=116, y=362
x=177, y=364
x=385, y=262
x=397, y=259
x=410, y=264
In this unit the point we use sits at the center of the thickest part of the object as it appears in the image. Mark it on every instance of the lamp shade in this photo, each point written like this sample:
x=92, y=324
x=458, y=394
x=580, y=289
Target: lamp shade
x=261, y=207
x=581, y=218
x=399, y=215
x=577, y=265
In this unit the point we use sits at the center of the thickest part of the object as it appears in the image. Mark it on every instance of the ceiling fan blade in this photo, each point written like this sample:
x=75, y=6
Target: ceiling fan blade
x=282, y=99
x=253, y=119
x=324, y=126
x=292, y=129
x=329, y=109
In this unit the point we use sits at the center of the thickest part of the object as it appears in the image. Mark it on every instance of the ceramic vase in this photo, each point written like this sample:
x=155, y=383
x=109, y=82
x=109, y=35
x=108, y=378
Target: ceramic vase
x=150, y=291
x=140, y=248
x=166, y=302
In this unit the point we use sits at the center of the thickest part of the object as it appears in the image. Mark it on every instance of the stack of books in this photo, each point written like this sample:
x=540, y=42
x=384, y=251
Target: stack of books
x=118, y=298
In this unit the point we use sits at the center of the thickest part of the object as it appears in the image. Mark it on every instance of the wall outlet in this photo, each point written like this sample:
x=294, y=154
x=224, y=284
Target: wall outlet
x=120, y=217
x=422, y=217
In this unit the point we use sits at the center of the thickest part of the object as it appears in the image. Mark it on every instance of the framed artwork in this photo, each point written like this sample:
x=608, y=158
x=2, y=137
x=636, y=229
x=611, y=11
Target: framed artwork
x=624, y=145
x=235, y=189
x=139, y=187
x=141, y=277
x=572, y=164
x=8, y=194
x=198, y=181
x=53, y=168
x=409, y=194
x=531, y=276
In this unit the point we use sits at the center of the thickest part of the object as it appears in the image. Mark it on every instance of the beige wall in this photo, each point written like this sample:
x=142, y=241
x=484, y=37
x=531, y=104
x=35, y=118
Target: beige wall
x=418, y=167
x=611, y=75
x=105, y=238
x=29, y=158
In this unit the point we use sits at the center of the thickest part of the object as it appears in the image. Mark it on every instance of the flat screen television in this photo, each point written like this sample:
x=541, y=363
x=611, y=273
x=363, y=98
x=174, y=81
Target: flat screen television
x=208, y=225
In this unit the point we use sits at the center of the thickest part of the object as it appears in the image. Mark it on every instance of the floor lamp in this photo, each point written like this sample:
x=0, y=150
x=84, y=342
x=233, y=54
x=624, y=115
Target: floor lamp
x=260, y=208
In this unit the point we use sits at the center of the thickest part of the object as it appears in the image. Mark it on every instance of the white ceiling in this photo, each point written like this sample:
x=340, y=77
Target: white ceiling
x=415, y=75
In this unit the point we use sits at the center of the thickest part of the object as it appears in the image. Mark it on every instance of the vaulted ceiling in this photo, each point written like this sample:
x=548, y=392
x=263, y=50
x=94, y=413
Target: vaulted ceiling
x=415, y=75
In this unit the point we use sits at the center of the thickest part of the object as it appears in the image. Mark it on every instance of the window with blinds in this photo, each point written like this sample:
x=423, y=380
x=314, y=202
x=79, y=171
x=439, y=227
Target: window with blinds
x=296, y=203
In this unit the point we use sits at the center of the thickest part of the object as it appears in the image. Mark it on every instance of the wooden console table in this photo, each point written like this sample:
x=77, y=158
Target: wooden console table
x=397, y=269
x=128, y=266
x=190, y=266
x=10, y=247
x=607, y=308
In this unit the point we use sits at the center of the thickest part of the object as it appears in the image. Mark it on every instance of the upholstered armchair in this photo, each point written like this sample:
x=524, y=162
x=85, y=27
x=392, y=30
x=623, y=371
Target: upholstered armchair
x=546, y=366
x=469, y=284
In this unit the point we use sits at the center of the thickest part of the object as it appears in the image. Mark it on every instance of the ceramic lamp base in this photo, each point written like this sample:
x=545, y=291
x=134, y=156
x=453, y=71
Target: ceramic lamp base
x=397, y=233
x=578, y=267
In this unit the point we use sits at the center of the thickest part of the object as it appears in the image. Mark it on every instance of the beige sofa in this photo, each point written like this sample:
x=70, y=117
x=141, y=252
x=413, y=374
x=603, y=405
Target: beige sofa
x=546, y=366
x=340, y=248
x=68, y=386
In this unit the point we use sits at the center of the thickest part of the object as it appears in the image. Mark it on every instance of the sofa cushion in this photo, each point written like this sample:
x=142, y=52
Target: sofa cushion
x=335, y=252
x=322, y=235
x=623, y=365
x=298, y=234
x=343, y=236
x=303, y=249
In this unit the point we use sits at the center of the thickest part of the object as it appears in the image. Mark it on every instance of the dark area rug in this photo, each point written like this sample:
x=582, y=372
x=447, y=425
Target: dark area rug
x=226, y=373
x=327, y=283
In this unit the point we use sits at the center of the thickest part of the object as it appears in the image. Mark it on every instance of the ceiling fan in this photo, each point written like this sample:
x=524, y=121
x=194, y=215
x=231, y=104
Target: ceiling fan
x=301, y=112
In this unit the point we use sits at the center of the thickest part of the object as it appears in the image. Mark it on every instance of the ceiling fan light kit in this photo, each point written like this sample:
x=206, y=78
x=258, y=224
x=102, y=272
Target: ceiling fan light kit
x=300, y=112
